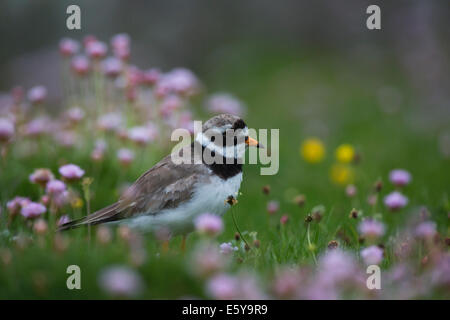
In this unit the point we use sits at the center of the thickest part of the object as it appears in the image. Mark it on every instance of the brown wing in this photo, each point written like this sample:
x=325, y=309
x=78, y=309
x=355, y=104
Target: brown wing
x=164, y=186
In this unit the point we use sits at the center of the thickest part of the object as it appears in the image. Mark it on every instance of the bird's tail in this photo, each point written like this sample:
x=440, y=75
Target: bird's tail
x=106, y=214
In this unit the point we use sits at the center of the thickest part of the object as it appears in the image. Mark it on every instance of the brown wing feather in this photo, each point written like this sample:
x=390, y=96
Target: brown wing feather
x=164, y=186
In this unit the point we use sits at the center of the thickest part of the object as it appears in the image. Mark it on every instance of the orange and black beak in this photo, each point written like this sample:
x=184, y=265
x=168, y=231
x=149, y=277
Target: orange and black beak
x=253, y=143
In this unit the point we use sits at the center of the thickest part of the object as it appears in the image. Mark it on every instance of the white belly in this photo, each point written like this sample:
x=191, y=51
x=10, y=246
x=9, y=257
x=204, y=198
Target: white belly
x=208, y=198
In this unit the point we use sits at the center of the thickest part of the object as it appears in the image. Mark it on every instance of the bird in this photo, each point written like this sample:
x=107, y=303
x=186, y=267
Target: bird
x=171, y=195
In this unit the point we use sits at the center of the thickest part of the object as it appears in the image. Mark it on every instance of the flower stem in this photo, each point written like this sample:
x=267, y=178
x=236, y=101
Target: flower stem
x=310, y=244
x=237, y=228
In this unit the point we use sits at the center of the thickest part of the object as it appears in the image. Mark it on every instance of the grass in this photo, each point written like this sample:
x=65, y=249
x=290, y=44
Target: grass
x=303, y=95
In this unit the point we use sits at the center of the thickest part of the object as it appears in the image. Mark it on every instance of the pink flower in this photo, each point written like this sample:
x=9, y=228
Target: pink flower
x=37, y=94
x=426, y=230
x=32, y=210
x=96, y=49
x=6, y=130
x=55, y=187
x=208, y=224
x=75, y=114
x=112, y=67
x=225, y=103
x=372, y=255
x=40, y=227
x=41, y=176
x=371, y=228
x=227, y=248
x=335, y=266
x=68, y=47
x=207, y=260
x=273, y=207
x=120, y=281
x=15, y=205
x=287, y=283
x=400, y=177
x=141, y=135
x=38, y=126
x=65, y=138
x=61, y=199
x=223, y=287
x=350, y=190
x=80, y=65
x=109, y=121
x=284, y=219
x=126, y=156
x=151, y=76
x=121, y=46
x=181, y=81
x=395, y=201
x=169, y=105
x=64, y=219
x=71, y=172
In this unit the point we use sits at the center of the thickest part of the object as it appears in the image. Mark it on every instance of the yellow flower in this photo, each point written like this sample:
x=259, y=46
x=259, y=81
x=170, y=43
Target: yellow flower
x=312, y=150
x=77, y=203
x=345, y=153
x=341, y=174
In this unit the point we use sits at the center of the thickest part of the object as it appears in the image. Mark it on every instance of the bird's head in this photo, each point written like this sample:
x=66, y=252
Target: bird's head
x=227, y=136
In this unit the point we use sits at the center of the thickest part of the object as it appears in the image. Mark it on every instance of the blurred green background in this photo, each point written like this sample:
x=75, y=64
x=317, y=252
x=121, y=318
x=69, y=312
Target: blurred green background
x=307, y=68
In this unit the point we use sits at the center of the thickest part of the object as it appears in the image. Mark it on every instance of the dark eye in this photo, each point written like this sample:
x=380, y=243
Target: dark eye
x=246, y=138
x=213, y=138
x=235, y=140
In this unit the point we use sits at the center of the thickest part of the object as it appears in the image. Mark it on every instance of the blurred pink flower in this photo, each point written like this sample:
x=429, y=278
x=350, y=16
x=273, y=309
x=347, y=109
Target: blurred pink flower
x=64, y=219
x=372, y=255
x=65, y=138
x=223, y=287
x=68, y=47
x=6, y=130
x=209, y=224
x=370, y=228
x=41, y=176
x=207, y=260
x=287, y=283
x=96, y=49
x=284, y=219
x=110, y=121
x=120, y=281
x=273, y=206
x=40, y=226
x=426, y=230
x=80, y=65
x=225, y=103
x=400, y=177
x=336, y=266
x=71, y=172
x=75, y=114
x=38, y=126
x=15, y=205
x=121, y=45
x=55, y=187
x=180, y=80
x=350, y=190
x=61, y=199
x=87, y=40
x=125, y=156
x=112, y=67
x=37, y=94
x=32, y=210
x=395, y=201
x=150, y=76
x=227, y=248
x=141, y=135
x=169, y=105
